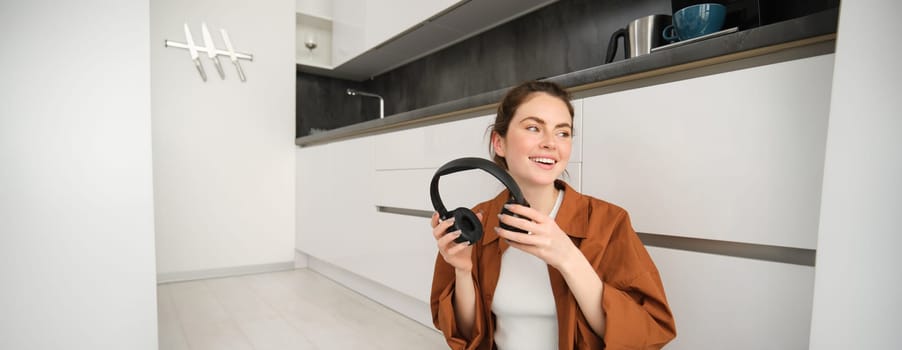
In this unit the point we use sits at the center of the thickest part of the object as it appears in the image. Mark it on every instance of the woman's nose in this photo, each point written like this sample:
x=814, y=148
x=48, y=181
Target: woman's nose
x=548, y=141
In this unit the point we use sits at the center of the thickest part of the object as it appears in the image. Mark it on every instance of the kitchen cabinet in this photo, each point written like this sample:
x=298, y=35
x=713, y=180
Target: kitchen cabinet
x=406, y=257
x=335, y=210
x=388, y=18
x=360, y=25
x=370, y=37
x=736, y=156
x=723, y=302
x=348, y=30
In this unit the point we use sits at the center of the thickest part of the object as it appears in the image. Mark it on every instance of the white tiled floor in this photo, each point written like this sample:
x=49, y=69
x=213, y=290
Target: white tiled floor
x=296, y=310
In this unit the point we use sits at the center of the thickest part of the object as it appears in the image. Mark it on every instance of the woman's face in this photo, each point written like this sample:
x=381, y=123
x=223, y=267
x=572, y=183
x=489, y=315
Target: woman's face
x=538, y=141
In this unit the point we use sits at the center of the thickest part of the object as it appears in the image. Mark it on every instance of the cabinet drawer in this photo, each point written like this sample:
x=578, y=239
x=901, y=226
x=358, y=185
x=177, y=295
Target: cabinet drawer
x=722, y=302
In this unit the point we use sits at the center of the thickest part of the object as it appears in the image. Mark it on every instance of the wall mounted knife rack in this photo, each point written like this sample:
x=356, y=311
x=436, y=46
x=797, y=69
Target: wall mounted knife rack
x=209, y=48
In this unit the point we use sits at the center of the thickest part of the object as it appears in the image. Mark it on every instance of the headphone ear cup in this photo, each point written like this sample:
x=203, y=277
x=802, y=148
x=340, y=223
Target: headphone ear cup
x=468, y=224
x=504, y=211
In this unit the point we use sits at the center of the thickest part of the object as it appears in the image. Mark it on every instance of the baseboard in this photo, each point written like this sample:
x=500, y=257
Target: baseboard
x=224, y=272
x=403, y=304
x=301, y=260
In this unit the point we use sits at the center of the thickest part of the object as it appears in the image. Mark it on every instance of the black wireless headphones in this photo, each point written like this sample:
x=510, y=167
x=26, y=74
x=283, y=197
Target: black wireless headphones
x=464, y=219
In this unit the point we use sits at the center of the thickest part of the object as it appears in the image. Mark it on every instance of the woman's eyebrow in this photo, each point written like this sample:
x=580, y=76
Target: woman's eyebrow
x=535, y=119
x=540, y=121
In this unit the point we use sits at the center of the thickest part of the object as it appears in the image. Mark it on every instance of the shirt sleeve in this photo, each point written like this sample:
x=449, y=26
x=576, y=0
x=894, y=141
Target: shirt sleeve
x=441, y=303
x=634, y=303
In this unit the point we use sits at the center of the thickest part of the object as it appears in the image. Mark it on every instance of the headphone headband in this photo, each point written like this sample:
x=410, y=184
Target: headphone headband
x=462, y=164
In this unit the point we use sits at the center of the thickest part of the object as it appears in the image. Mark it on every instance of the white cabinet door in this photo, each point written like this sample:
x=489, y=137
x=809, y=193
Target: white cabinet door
x=335, y=209
x=722, y=302
x=406, y=258
x=736, y=156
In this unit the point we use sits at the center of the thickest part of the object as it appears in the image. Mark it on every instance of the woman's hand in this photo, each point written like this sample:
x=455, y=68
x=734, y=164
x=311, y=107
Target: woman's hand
x=545, y=239
x=457, y=255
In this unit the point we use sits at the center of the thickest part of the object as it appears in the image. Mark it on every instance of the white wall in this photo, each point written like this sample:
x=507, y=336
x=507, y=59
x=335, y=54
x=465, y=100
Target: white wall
x=76, y=205
x=223, y=149
x=857, y=281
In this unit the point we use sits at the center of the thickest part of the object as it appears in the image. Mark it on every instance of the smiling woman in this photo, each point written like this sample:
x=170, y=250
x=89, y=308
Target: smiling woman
x=536, y=145
x=580, y=279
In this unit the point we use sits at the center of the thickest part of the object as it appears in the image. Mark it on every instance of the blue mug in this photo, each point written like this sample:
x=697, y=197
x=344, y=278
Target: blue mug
x=695, y=21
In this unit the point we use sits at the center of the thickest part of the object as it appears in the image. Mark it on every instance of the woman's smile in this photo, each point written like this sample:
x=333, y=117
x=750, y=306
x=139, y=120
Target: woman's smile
x=544, y=162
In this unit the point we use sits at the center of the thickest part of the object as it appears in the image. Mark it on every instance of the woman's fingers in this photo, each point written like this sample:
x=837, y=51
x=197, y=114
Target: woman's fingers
x=447, y=239
x=435, y=220
x=457, y=248
x=520, y=223
x=528, y=212
x=439, y=230
x=518, y=237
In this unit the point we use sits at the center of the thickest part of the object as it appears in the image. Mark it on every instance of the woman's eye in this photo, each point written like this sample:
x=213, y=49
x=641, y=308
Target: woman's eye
x=532, y=128
x=563, y=134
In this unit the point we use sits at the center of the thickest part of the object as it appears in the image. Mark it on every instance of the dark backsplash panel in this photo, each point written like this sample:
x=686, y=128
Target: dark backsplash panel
x=323, y=104
x=563, y=37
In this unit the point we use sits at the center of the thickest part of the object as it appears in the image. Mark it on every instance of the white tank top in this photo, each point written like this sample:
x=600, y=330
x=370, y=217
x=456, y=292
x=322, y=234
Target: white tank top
x=525, y=315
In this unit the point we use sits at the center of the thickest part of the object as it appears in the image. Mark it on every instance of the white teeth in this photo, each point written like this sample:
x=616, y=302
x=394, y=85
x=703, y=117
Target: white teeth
x=543, y=160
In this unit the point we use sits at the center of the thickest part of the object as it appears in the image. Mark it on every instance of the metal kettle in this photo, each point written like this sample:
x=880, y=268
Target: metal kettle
x=639, y=37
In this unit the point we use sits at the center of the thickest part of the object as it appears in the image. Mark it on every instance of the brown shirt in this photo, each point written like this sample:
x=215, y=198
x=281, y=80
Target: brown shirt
x=635, y=307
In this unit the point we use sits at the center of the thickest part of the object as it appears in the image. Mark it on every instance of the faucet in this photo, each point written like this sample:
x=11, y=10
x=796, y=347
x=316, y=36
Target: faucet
x=353, y=92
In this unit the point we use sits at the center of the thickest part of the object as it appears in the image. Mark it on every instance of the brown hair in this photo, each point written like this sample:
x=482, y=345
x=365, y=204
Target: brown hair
x=518, y=95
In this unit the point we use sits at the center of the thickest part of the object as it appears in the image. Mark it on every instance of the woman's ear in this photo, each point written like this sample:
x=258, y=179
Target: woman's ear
x=498, y=144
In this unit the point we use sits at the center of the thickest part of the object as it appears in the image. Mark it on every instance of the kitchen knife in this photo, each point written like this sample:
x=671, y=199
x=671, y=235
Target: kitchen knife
x=193, y=50
x=211, y=49
x=232, y=56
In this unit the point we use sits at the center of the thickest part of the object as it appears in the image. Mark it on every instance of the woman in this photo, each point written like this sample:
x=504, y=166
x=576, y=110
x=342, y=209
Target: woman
x=580, y=278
